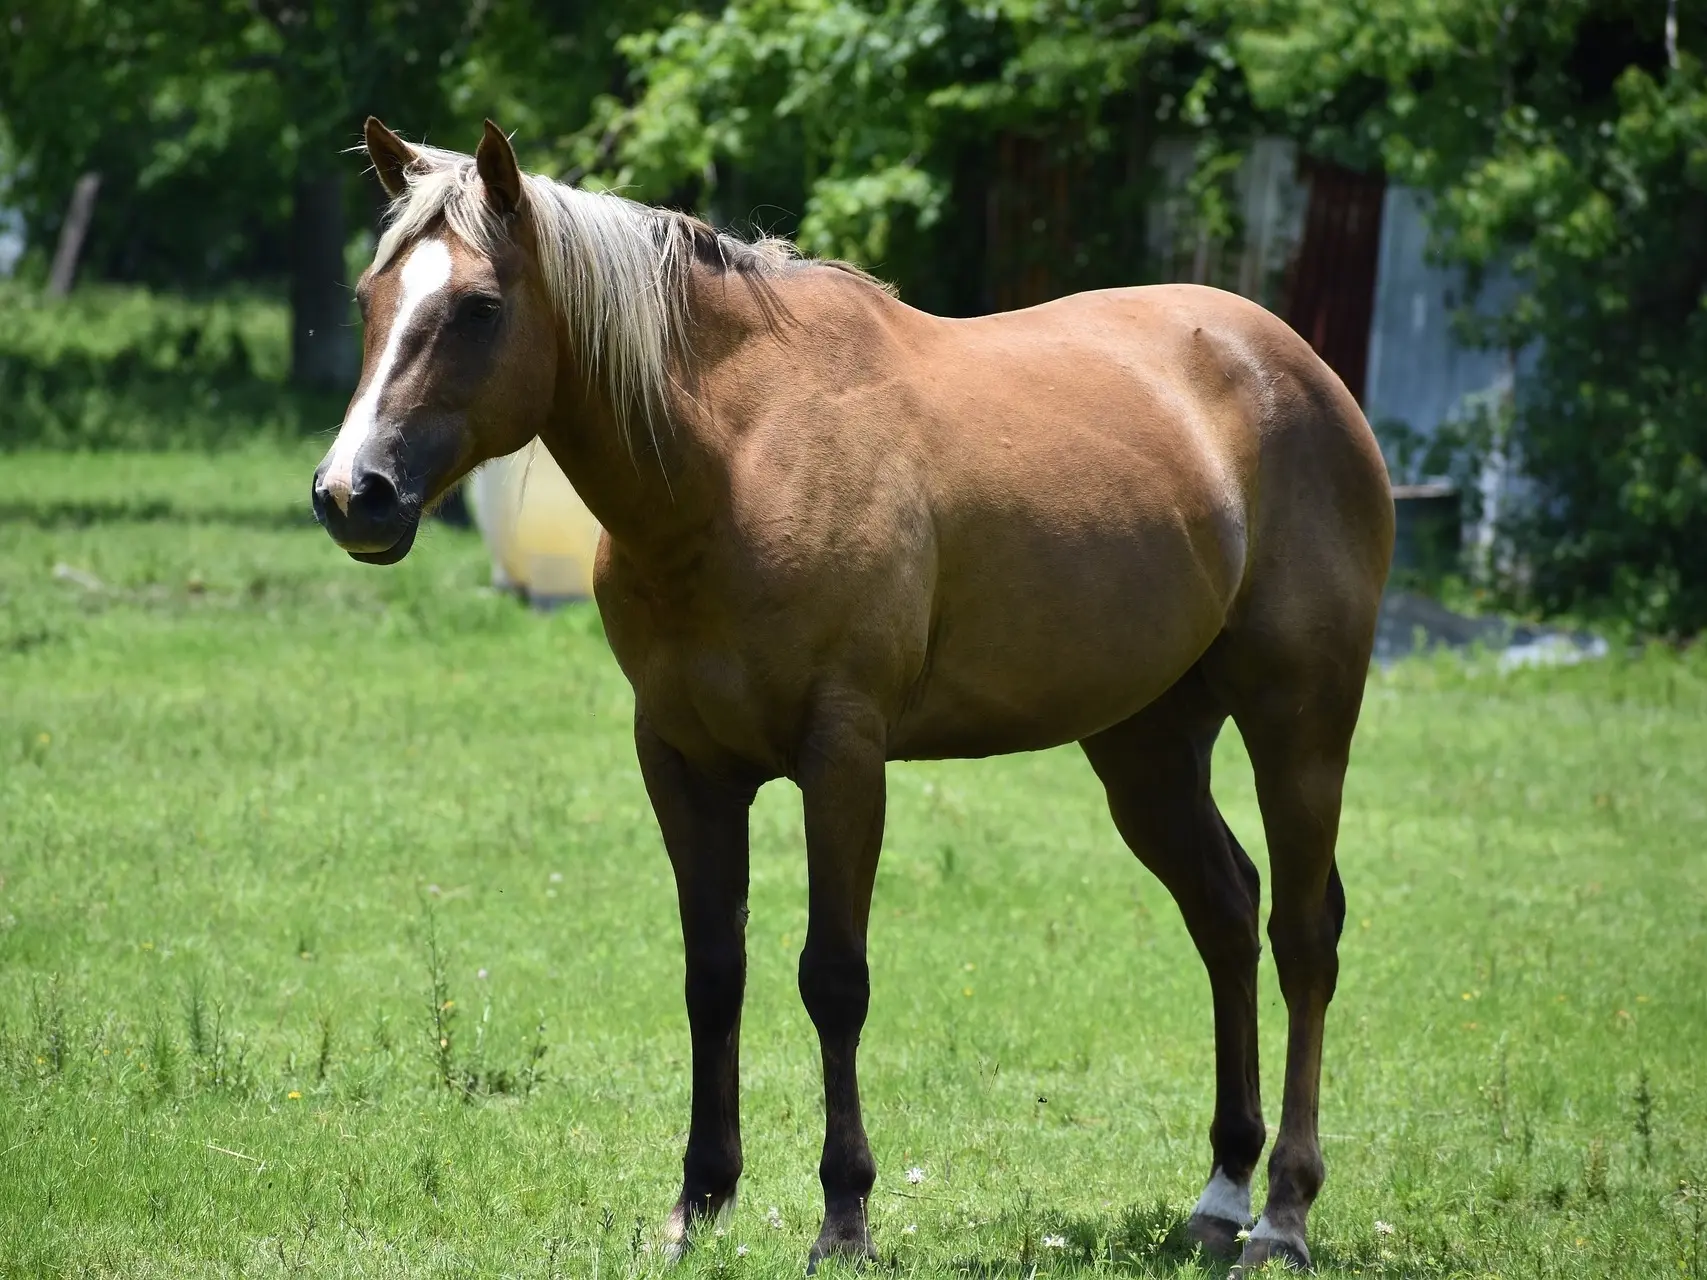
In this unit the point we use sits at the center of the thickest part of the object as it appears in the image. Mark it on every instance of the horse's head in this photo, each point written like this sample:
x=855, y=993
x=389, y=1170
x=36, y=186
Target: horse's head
x=460, y=351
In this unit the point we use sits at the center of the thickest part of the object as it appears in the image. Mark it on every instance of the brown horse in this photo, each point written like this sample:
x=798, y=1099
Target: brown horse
x=842, y=532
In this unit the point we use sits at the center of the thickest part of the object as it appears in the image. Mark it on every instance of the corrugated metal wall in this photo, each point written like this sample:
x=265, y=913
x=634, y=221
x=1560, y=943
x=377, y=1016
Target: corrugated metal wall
x=1332, y=293
x=1420, y=375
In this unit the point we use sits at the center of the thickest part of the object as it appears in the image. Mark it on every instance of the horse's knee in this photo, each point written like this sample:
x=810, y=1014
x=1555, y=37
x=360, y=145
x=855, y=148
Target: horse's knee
x=1306, y=946
x=1336, y=900
x=835, y=987
x=716, y=978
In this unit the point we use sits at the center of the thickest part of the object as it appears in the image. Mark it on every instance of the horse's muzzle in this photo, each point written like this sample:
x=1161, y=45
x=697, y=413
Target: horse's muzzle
x=376, y=525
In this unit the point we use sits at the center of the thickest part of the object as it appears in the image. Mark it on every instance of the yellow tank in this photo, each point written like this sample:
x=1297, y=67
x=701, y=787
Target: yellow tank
x=541, y=535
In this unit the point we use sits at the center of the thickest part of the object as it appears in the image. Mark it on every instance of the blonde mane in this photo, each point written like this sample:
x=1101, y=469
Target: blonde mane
x=616, y=270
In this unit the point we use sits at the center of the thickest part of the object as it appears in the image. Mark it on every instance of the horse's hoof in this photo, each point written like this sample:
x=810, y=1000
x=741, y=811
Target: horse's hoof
x=856, y=1250
x=683, y=1219
x=1262, y=1251
x=1218, y=1236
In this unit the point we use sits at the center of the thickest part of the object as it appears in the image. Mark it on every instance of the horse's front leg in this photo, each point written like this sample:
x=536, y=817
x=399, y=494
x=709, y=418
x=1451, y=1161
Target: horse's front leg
x=841, y=781
x=704, y=824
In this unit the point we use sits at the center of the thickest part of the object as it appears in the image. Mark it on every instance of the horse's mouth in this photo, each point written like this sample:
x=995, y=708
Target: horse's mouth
x=392, y=554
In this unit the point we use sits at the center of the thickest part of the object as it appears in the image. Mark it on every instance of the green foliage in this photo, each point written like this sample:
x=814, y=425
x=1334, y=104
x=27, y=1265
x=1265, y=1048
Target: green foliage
x=202, y=115
x=1561, y=146
x=869, y=130
x=160, y=97
x=119, y=366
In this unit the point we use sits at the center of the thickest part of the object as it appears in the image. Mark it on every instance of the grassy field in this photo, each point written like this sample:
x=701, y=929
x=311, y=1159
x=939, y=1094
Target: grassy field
x=288, y=843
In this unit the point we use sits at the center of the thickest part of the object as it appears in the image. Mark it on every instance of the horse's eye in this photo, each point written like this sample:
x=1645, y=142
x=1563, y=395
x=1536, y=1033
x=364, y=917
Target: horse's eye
x=481, y=310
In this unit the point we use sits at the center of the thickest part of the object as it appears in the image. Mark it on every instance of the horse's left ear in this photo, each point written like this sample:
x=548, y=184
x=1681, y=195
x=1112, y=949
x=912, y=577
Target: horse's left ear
x=391, y=156
x=496, y=161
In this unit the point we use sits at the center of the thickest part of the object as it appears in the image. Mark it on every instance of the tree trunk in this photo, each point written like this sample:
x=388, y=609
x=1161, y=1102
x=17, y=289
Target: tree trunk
x=322, y=341
x=78, y=215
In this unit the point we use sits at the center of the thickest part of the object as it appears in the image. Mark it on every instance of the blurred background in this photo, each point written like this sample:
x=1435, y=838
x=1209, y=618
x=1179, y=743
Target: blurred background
x=1490, y=218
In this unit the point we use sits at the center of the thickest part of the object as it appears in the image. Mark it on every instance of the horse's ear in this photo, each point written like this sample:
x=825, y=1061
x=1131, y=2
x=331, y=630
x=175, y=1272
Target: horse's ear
x=496, y=161
x=390, y=155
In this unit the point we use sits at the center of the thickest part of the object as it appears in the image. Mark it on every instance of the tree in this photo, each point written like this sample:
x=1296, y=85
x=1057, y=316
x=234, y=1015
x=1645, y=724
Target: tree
x=1568, y=142
x=219, y=127
x=872, y=130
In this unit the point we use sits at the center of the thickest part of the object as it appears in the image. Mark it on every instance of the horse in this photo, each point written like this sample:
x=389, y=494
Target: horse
x=840, y=531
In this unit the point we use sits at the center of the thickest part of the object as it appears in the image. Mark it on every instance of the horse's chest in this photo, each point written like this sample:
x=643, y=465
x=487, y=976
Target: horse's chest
x=714, y=701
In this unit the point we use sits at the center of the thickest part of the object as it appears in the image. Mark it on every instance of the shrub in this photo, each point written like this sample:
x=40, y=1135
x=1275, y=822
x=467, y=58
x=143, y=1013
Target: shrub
x=115, y=366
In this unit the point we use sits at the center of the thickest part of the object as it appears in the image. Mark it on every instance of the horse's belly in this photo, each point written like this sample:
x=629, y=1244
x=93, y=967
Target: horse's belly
x=1051, y=669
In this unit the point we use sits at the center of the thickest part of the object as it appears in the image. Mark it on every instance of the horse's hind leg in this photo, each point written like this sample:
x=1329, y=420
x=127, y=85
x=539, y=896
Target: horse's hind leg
x=1296, y=706
x=1155, y=767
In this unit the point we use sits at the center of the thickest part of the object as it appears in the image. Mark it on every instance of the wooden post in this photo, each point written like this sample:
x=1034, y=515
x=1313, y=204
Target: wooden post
x=78, y=215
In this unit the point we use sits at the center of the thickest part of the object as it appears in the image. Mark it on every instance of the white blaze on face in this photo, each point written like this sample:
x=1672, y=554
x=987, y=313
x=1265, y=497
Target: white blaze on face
x=426, y=271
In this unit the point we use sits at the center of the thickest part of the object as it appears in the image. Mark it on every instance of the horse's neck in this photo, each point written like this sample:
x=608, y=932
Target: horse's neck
x=656, y=493
x=655, y=485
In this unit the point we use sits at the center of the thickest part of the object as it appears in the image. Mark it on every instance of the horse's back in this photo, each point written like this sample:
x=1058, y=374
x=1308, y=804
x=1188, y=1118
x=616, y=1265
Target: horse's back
x=1113, y=475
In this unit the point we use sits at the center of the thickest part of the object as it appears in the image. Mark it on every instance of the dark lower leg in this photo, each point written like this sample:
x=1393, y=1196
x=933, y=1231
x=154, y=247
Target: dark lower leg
x=835, y=987
x=1236, y=1135
x=1305, y=935
x=704, y=824
x=1230, y=951
x=842, y=786
x=1156, y=768
x=711, y=1167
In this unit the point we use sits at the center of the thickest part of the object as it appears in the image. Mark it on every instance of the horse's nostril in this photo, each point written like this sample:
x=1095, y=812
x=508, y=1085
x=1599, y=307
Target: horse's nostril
x=374, y=497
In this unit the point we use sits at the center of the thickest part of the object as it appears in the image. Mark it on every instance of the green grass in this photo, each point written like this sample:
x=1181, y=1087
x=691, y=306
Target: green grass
x=244, y=781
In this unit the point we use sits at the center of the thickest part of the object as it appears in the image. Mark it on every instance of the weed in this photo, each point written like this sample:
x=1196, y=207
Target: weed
x=531, y=1070
x=1643, y=1099
x=1594, y=1172
x=441, y=1007
x=195, y=1016
x=1692, y=1198
x=216, y=1063
x=429, y=1173
x=323, y=1057
x=47, y=1015
x=162, y=1060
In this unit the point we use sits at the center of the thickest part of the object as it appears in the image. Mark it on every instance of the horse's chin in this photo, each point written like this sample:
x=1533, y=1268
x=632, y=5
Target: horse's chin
x=392, y=554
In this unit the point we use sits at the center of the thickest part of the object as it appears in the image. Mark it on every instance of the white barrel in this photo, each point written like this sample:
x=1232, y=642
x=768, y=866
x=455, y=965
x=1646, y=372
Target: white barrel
x=541, y=536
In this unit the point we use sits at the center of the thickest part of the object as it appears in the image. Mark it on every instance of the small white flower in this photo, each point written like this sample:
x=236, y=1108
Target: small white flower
x=1054, y=1242
x=740, y=1251
x=433, y=889
x=773, y=1219
x=1244, y=1233
x=911, y=1229
x=481, y=974
x=1383, y=1228
x=556, y=877
x=915, y=1175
